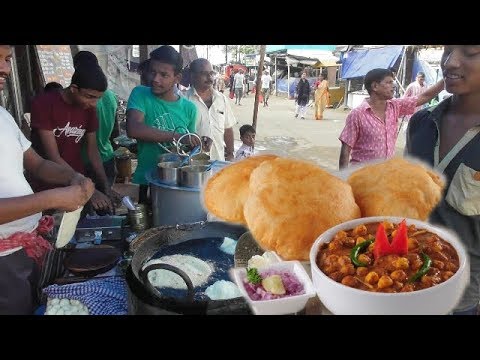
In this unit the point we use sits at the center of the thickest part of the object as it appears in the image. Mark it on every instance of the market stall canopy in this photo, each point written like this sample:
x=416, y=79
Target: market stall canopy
x=309, y=55
x=358, y=63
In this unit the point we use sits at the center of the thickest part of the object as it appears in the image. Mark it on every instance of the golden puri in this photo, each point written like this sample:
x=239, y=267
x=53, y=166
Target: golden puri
x=292, y=202
x=396, y=187
x=226, y=191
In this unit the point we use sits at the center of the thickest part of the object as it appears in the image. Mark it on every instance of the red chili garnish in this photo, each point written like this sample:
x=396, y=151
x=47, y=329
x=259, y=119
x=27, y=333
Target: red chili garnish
x=381, y=246
x=400, y=241
x=399, y=245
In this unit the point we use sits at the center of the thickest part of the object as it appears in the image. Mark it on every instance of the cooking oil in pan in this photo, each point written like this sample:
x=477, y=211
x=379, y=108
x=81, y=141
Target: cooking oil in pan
x=203, y=258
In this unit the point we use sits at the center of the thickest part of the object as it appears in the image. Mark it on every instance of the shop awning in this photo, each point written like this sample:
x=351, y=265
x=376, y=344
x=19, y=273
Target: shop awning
x=357, y=63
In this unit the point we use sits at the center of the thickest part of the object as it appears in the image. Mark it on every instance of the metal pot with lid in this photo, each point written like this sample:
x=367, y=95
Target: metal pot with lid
x=145, y=299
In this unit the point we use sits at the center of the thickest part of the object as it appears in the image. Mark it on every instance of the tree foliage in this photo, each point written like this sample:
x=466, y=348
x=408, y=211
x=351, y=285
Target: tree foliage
x=237, y=52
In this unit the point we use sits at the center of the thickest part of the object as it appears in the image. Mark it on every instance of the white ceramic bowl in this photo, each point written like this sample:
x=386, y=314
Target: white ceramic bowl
x=286, y=305
x=344, y=300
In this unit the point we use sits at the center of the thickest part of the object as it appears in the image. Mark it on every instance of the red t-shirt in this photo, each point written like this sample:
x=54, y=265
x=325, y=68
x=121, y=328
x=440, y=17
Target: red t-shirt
x=69, y=124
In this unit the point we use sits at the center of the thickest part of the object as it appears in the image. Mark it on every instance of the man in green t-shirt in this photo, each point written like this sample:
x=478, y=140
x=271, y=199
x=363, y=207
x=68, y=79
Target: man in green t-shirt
x=107, y=129
x=157, y=115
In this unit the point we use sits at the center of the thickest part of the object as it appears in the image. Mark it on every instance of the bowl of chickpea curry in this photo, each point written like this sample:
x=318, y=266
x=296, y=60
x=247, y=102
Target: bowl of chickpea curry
x=389, y=265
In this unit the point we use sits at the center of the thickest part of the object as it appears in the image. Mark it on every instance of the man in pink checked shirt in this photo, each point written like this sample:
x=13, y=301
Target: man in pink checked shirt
x=370, y=130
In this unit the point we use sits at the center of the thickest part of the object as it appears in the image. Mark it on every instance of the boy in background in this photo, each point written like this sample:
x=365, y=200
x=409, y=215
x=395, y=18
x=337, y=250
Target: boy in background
x=247, y=135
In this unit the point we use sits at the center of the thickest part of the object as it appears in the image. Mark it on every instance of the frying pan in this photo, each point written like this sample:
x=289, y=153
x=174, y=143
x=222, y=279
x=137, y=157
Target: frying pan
x=92, y=261
x=144, y=299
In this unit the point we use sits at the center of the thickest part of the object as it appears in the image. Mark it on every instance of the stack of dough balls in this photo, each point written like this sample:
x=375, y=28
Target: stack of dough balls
x=285, y=203
x=396, y=187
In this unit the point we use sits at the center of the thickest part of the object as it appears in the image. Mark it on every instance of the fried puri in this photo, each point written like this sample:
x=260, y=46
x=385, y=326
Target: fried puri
x=292, y=202
x=396, y=187
x=226, y=192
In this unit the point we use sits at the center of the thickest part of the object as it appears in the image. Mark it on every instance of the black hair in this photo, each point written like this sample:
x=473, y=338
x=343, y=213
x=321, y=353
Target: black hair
x=84, y=57
x=91, y=77
x=168, y=55
x=143, y=69
x=421, y=74
x=197, y=63
x=375, y=75
x=247, y=128
x=52, y=86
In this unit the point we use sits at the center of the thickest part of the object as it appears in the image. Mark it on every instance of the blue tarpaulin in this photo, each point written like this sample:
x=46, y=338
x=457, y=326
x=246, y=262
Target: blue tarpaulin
x=358, y=63
x=431, y=75
x=283, y=87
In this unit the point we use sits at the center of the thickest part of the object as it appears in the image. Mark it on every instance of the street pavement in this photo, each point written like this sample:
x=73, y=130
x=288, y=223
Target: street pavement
x=279, y=132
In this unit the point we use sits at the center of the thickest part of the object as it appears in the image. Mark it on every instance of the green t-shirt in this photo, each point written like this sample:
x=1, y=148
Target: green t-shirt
x=163, y=115
x=106, y=114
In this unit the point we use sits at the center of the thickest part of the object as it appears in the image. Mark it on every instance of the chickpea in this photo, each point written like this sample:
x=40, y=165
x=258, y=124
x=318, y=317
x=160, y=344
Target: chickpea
x=340, y=235
x=350, y=281
x=347, y=269
x=408, y=288
x=331, y=259
x=348, y=242
x=394, y=232
x=331, y=268
x=334, y=245
x=397, y=285
x=364, y=259
x=344, y=260
x=437, y=246
x=446, y=275
x=401, y=263
x=371, y=246
x=370, y=237
x=438, y=264
x=415, y=261
x=411, y=229
x=360, y=230
x=450, y=266
x=337, y=276
x=385, y=282
x=360, y=240
x=412, y=243
x=399, y=275
x=362, y=271
x=387, y=225
x=371, y=278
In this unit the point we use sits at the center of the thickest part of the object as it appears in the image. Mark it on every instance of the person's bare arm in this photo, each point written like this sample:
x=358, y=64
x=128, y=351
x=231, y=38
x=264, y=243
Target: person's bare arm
x=430, y=93
x=229, y=148
x=51, y=149
x=67, y=198
x=137, y=129
x=48, y=171
x=344, y=156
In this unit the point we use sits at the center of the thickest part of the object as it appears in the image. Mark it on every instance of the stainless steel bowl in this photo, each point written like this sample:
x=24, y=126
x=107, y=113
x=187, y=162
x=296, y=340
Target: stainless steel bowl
x=169, y=157
x=200, y=159
x=194, y=175
x=169, y=172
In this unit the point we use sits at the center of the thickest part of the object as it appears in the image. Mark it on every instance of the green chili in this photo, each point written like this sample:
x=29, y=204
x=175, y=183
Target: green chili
x=427, y=262
x=356, y=251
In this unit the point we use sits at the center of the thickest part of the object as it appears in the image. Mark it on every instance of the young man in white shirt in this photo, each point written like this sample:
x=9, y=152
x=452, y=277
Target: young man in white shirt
x=266, y=82
x=21, y=244
x=215, y=118
x=238, y=80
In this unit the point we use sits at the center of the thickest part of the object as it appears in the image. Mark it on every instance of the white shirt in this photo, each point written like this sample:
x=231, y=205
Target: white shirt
x=213, y=121
x=266, y=80
x=12, y=180
x=244, y=151
x=238, y=80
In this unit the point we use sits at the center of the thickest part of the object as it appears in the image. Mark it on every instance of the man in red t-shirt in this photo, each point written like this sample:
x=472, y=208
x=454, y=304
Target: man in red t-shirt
x=61, y=121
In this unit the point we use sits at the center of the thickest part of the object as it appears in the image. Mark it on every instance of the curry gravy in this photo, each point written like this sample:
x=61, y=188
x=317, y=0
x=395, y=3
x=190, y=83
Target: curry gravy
x=390, y=273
